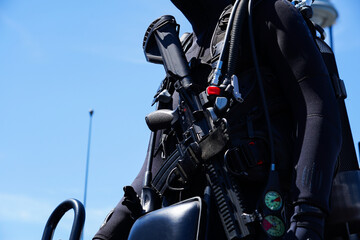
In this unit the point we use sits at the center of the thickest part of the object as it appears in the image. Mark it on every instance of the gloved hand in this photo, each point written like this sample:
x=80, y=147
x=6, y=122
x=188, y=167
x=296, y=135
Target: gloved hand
x=307, y=223
x=132, y=202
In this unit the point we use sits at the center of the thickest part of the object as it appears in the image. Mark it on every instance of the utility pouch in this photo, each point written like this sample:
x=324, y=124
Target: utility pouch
x=248, y=161
x=179, y=221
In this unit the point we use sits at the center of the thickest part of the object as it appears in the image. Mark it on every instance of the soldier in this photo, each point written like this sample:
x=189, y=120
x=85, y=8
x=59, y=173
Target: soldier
x=300, y=99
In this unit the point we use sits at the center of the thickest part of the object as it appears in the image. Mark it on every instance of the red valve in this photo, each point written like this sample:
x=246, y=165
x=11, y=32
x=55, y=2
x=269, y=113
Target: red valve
x=213, y=90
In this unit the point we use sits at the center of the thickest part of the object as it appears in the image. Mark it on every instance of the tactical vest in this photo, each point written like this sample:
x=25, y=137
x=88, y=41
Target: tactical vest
x=345, y=200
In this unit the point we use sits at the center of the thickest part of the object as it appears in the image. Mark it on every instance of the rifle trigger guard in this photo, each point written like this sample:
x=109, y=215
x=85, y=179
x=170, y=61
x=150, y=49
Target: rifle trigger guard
x=226, y=125
x=168, y=182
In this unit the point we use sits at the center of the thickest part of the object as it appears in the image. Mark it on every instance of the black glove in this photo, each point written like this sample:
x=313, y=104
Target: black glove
x=132, y=202
x=307, y=223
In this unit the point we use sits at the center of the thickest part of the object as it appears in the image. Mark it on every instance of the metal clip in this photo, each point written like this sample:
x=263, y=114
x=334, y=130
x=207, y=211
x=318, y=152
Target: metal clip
x=302, y=3
x=236, y=91
x=249, y=218
x=217, y=74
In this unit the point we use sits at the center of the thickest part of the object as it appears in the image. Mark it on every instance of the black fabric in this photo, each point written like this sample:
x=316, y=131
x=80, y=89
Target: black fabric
x=303, y=76
x=213, y=144
x=203, y=16
x=345, y=207
x=347, y=158
x=306, y=128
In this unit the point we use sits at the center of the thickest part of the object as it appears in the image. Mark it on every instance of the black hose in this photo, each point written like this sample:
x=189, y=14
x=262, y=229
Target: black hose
x=234, y=49
x=261, y=86
x=218, y=73
x=58, y=213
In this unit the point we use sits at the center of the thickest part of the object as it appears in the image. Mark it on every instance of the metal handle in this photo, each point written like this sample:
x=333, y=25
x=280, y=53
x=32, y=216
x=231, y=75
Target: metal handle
x=58, y=213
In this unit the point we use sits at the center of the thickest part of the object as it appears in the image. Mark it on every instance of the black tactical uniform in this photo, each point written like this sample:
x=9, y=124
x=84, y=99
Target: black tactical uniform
x=301, y=101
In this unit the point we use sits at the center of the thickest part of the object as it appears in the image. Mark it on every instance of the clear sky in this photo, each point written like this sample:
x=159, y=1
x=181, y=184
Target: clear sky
x=58, y=59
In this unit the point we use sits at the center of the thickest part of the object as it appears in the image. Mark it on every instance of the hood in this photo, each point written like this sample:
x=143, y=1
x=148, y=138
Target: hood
x=201, y=14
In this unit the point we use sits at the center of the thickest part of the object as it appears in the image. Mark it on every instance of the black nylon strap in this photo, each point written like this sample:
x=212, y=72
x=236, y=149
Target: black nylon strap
x=214, y=143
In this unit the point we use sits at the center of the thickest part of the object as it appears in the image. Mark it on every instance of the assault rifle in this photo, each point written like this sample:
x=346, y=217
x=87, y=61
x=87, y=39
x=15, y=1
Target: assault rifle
x=202, y=137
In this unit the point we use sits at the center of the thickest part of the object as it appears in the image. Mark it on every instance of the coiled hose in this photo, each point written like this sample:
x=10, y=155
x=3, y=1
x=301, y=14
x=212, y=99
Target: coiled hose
x=236, y=30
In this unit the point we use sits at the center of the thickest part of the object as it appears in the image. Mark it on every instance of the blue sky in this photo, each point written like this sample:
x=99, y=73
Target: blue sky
x=61, y=58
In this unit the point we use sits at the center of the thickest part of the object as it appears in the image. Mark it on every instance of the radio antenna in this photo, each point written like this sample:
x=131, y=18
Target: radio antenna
x=91, y=112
